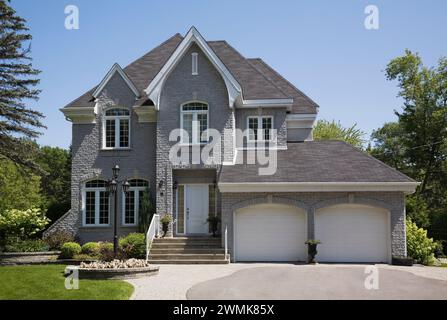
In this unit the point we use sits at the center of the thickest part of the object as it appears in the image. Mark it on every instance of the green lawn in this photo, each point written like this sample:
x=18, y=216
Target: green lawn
x=47, y=282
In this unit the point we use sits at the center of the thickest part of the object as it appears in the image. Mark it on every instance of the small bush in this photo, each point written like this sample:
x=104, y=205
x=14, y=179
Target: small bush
x=133, y=246
x=91, y=249
x=58, y=238
x=69, y=250
x=106, y=251
x=26, y=246
x=419, y=247
x=83, y=257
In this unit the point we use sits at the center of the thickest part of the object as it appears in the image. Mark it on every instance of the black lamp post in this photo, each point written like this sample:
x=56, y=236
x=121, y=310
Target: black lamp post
x=112, y=188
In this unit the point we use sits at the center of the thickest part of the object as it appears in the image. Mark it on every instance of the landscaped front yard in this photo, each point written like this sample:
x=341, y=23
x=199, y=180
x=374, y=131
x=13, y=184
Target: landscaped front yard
x=47, y=282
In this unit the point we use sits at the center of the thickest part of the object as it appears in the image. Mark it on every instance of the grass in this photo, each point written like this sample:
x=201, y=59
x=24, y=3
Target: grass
x=47, y=282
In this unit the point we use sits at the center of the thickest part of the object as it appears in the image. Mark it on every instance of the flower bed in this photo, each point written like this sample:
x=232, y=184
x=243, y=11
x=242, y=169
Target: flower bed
x=116, y=269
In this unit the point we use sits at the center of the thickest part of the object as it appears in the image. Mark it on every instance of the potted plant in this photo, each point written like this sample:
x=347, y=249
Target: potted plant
x=214, y=222
x=165, y=221
x=312, y=250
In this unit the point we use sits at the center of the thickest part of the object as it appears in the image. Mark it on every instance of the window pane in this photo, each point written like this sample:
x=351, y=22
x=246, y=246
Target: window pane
x=187, y=126
x=253, y=128
x=110, y=133
x=129, y=217
x=117, y=112
x=138, y=183
x=103, y=208
x=96, y=184
x=90, y=207
x=195, y=106
x=203, y=126
x=124, y=133
x=266, y=127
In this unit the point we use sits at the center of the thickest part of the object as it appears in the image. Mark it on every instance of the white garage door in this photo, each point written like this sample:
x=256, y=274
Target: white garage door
x=270, y=232
x=352, y=233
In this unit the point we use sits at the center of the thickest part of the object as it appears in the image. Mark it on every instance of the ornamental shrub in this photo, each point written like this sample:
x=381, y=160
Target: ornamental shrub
x=69, y=250
x=106, y=251
x=34, y=245
x=133, y=246
x=91, y=248
x=22, y=224
x=58, y=238
x=419, y=246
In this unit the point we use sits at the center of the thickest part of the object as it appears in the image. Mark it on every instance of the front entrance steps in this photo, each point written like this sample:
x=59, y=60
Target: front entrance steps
x=187, y=250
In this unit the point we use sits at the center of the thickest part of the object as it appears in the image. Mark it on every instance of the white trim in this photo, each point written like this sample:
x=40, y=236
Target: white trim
x=259, y=130
x=195, y=64
x=115, y=68
x=301, y=116
x=195, y=139
x=406, y=187
x=145, y=113
x=97, y=191
x=80, y=115
x=117, y=128
x=136, y=205
x=193, y=36
x=270, y=103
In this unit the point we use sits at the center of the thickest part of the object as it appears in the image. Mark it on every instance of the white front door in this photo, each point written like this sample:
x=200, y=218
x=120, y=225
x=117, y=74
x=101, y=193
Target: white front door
x=196, y=204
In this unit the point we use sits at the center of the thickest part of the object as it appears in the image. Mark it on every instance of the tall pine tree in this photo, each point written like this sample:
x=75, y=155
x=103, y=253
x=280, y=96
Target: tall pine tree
x=18, y=123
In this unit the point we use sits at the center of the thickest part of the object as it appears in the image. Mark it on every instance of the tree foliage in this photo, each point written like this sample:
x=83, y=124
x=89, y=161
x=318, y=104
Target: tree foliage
x=18, y=123
x=419, y=246
x=331, y=130
x=22, y=224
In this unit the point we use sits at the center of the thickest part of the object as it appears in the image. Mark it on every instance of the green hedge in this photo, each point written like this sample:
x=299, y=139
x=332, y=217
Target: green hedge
x=69, y=250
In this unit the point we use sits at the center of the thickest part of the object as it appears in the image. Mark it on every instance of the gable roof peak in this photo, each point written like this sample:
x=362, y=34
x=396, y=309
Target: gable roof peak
x=116, y=68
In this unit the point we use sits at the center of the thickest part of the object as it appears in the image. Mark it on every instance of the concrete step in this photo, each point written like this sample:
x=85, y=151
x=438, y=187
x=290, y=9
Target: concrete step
x=182, y=261
x=206, y=256
x=187, y=250
x=156, y=245
x=191, y=240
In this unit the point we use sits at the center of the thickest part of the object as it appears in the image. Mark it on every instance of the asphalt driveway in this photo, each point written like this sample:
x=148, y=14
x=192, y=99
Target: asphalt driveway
x=319, y=282
x=289, y=281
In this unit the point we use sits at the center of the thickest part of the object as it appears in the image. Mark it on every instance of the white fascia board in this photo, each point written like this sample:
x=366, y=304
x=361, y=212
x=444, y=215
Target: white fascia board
x=406, y=187
x=301, y=117
x=270, y=103
x=155, y=87
x=80, y=115
x=115, y=68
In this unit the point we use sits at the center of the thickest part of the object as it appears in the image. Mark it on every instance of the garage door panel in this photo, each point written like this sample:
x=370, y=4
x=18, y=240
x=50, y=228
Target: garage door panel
x=352, y=233
x=270, y=233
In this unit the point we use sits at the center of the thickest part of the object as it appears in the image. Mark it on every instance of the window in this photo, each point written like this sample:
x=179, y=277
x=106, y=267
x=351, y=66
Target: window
x=96, y=203
x=133, y=201
x=116, y=128
x=195, y=71
x=194, y=121
x=260, y=128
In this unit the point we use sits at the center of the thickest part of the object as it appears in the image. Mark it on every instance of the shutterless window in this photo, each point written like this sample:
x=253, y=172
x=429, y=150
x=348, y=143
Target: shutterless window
x=116, y=128
x=195, y=67
x=96, y=203
x=260, y=128
x=194, y=120
x=134, y=201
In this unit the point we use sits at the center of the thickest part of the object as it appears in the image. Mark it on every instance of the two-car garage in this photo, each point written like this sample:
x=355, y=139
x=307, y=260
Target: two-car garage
x=277, y=232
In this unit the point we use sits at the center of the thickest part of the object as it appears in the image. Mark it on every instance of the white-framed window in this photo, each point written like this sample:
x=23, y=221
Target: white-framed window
x=116, y=128
x=194, y=61
x=260, y=128
x=194, y=121
x=132, y=202
x=95, y=203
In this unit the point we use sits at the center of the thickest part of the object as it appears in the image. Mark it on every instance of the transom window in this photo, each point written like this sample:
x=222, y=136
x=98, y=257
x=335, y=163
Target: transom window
x=96, y=203
x=116, y=128
x=194, y=122
x=260, y=128
x=133, y=201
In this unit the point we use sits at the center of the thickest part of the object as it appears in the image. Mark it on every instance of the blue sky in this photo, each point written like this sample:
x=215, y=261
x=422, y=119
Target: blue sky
x=320, y=46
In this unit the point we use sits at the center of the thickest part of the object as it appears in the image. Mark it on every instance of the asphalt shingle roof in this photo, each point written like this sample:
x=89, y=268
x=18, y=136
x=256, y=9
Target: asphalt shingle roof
x=258, y=80
x=316, y=161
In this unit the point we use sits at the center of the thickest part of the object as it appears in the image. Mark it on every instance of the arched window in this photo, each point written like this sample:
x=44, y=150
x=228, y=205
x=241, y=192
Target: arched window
x=133, y=201
x=95, y=203
x=194, y=122
x=116, y=128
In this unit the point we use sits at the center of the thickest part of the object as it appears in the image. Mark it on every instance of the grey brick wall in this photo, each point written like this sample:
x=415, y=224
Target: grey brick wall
x=392, y=201
x=90, y=162
x=180, y=87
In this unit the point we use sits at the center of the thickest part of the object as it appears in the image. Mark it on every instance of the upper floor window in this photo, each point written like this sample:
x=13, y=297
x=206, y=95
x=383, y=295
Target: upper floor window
x=260, y=128
x=132, y=205
x=195, y=67
x=95, y=203
x=194, y=122
x=116, y=128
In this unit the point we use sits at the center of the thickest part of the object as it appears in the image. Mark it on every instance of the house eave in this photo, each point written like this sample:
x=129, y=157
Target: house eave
x=405, y=187
x=79, y=115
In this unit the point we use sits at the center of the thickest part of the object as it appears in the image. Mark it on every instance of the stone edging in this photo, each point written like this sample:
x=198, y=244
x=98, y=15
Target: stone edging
x=116, y=274
x=28, y=254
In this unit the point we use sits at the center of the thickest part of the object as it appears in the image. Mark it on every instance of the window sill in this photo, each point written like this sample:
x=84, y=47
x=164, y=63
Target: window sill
x=116, y=149
x=106, y=226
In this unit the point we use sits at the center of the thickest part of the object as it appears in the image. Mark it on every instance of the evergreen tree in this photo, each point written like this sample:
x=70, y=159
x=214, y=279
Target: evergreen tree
x=18, y=123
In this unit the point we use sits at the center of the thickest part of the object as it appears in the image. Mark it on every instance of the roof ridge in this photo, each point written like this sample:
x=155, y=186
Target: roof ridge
x=287, y=81
x=252, y=67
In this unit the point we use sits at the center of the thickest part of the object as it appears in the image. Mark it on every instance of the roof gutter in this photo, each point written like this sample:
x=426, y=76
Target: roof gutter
x=231, y=187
